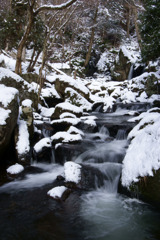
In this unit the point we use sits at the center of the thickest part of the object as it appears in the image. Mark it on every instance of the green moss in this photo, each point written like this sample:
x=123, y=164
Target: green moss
x=152, y=86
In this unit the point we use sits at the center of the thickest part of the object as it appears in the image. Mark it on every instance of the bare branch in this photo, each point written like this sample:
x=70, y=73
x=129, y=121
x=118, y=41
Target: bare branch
x=54, y=7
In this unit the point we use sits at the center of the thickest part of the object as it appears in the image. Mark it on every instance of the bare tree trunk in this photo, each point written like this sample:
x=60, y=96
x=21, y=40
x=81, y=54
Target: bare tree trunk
x=31, y=61
x=42, y=65
x=34, y=62
x=88, y=56
x=137, y=27
x=128, y=20
x=23, y=42
x=24, y=54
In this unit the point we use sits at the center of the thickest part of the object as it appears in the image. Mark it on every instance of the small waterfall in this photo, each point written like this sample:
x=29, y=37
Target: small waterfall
x=121, y=134
x=52, y=156
x=111, y=174
x=46, y=132
x=104, y=131
x=130, y=75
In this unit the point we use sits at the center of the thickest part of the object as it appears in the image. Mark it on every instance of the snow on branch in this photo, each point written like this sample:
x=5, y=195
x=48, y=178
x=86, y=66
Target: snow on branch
x=55, y=7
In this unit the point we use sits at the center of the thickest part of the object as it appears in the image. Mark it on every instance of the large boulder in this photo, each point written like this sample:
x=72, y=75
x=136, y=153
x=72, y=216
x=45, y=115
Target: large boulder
x=141, y=165
x=147, y=188
x=9, y=109
x=26, y=90
x=66, y=107
x=50, y=95
x=122, y=66
x=64, y=82
x=77, y=99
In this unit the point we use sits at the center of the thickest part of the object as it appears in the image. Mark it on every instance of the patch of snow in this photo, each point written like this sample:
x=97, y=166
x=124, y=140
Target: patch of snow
x=7, y=94
x=36, y=130
x=57, y=192
x=9, y=74
x=108, y=104
x=44, y=142
x=69, y=107
x=128, y=96
x=90, y=122
x=77, y=84
x=74, y=130
x=23, y=143
x=15, y=169
x=60, y=65
x=67, y=115
x=8, y=61
x=72, y=172
x=47, y=112
x=50, y=92
x=78, y=98
x=72, y=121
x=4, y=114
x=27, y=103
x=66, y=137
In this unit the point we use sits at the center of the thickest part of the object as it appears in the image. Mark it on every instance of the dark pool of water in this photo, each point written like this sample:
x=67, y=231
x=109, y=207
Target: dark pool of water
x=27, y=213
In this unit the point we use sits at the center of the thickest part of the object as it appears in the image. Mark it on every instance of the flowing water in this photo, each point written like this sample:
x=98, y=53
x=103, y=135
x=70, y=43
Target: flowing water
x=27, y=213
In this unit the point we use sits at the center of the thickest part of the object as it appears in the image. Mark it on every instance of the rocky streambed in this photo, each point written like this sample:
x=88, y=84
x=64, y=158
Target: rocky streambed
x=96, y=207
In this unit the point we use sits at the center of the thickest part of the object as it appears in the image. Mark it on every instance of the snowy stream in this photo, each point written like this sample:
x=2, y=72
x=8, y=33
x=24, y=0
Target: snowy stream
x=27, y=213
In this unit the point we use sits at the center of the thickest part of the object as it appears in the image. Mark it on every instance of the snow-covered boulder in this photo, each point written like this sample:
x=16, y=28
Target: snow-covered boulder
x=50, y=95
x=72, y=174
x=122, y=65
x=66, y=107
x=59, y=193
x=64, y=81
x=88, y=124
x=9, y=108
x=26, y=90
x=66, y=137
x=64, y=123
x=77, y=99
x=127, y=58
x=43, y=150
x=141, y=165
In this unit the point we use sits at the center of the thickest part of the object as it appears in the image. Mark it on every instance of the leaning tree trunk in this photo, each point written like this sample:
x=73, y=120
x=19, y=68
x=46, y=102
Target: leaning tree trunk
x=33, y=63
x=42, y=65
x=23, y=42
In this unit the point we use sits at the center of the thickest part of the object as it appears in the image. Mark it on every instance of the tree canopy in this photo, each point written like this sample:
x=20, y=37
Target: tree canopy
x=150, y=30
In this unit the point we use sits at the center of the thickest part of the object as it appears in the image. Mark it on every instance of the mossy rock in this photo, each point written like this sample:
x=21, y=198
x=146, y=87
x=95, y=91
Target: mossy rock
x=7, y=130
x=30, y=77
x=121, y=68
x=148, y=189
x=152, y=86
